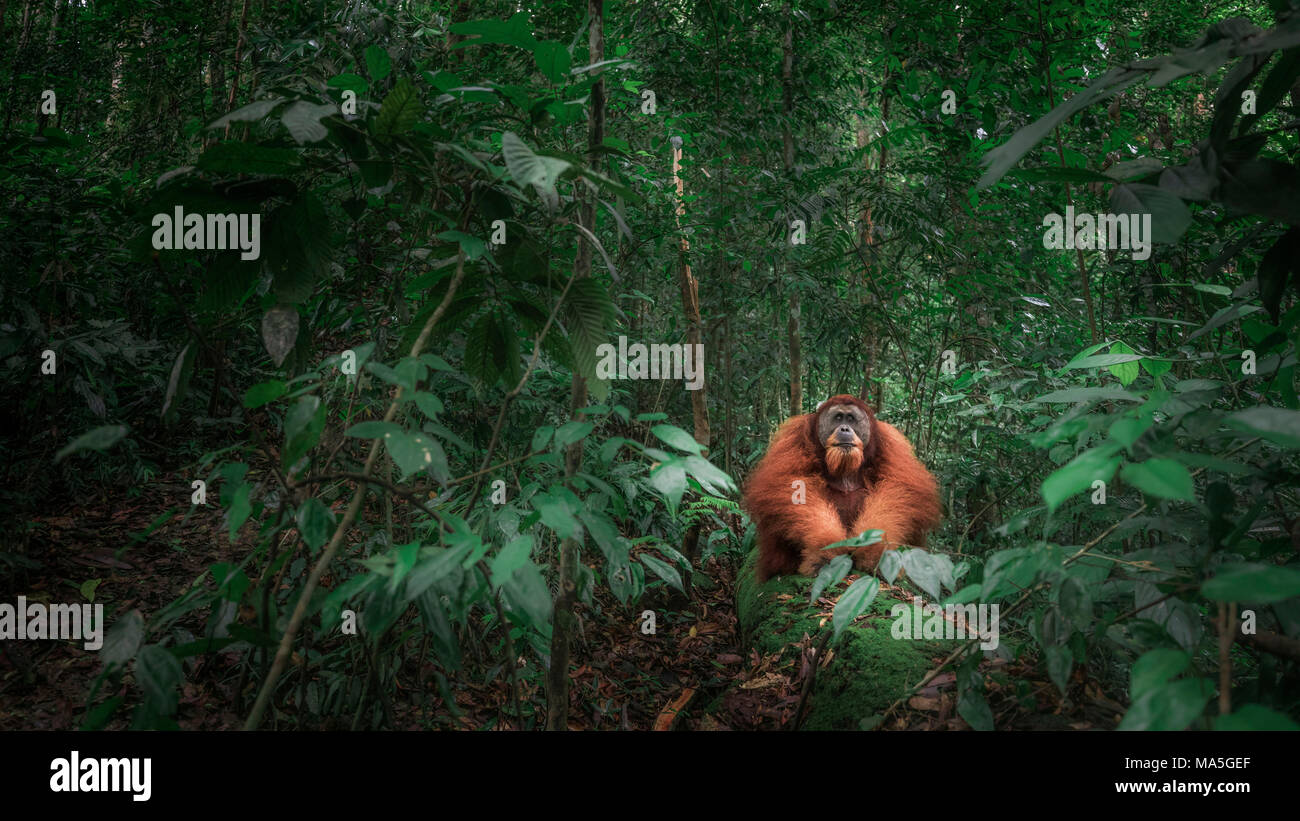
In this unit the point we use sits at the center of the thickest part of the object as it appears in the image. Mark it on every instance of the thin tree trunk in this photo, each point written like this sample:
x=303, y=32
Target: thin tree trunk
x=239, y=55
x=690, y=288
x=563, y=621
x=787, y=156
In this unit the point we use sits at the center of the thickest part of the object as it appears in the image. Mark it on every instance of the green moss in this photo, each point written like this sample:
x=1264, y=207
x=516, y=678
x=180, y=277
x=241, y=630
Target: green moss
x=869, y=669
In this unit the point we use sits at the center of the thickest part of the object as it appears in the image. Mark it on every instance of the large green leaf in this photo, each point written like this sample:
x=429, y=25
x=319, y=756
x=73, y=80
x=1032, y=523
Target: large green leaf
x=159, y=674
x=1155, y=668
x=528, y=167
x=303, y=120
x=517, y=31
x=854, y=602
x=1277, y=425
x=1255, y=583
x=1079, y=474
x=399, y=112
x=1171, y=706
x=378, y=63
x=663, y=570
x=315, y=522
x=303, y=425
x=1169, y=215
x=1255, y=717
x=553, y=60
x=414, y=452
x=830, y=575
x=1165, y=478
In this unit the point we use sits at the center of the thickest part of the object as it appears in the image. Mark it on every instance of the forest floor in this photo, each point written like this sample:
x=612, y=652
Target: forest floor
x=691, y=673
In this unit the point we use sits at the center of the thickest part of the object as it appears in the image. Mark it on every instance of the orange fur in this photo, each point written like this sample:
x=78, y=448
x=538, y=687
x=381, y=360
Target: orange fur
x=890, y=490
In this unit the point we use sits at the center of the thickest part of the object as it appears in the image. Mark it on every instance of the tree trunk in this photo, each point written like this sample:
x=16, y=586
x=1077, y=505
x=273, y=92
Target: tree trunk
x=787, y=155
x=563, y=622
x=690, y=288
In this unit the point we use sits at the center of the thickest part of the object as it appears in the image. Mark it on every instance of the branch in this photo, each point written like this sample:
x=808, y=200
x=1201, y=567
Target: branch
x=354, y=509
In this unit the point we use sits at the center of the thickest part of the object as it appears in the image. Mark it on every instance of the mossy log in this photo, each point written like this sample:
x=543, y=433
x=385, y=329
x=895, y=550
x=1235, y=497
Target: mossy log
x=868, y=669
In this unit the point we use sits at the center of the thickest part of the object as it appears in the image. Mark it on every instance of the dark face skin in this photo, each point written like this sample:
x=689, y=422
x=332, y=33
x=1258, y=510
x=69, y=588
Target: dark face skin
x=843, y=426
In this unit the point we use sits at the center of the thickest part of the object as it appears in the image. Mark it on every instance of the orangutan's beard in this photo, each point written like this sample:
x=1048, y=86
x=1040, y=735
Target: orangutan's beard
x=841, y=461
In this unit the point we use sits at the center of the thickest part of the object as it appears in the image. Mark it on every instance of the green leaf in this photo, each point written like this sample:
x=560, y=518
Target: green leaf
x=663, y=570
x=1160, y=477
x=158, y=673
x=249, y=113
x=830, y=574
x=1277, y=425
x=588, y=315
x=1155, y=668
x=1001, y=159
x=349, y=82
x=240, y=508
x=712, y=478
x=1156, y=367
x=528, y=167
x=1088, y=395
x=1105, y=360
x=526, y=593
x=571, y=432
x=1171, y=706
x=1255, y=583
x=1079, y=474
x=1125, y=372
x=557, y=514
x=445, y=644
x=1255, y=717
x=553, y=60
x=1060, y=661
x=179, y=380
x=263, y=393
x=315, y=522
x=374, y=429
x=473, y=246
x=513, y=556
x=231, y=581
x=924, y=570
x=1076, y=603
x=1127, y=430
x=303, y=425
x=88, y=588
x=974, y=710
x=280, y=332
x=414, y=452
x=854, y=602
x=122, y=640
x=303, y=120
x=1169, y=215
x=517, y=31
x=669, y=478
x=399, y=112
x=541, y=436
x=678, y=438
x=101, y=438
x=428, y=404
x=378, y=63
